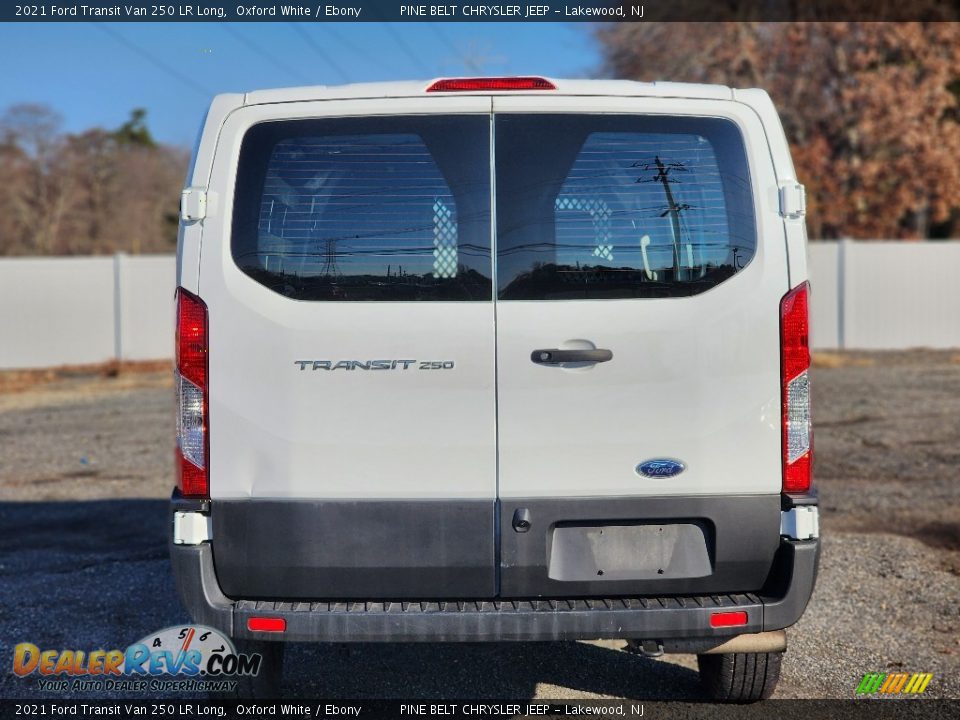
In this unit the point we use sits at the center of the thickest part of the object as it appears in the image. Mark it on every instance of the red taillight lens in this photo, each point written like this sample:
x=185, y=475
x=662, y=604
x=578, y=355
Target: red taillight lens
x=266, y=624
x=193, y=445
x=797, y=432
x=191, y=480
x=728, y=619
x=491, y=83
x=191, y=338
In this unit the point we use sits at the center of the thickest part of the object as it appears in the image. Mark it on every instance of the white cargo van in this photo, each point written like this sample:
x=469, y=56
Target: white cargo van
x=497, y=359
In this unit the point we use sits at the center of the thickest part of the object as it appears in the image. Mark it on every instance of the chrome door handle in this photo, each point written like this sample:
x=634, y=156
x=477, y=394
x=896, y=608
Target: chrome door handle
x=555, y=356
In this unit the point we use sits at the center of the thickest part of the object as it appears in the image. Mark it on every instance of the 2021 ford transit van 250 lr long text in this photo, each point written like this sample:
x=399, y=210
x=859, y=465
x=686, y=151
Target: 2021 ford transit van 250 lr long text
x=497, y=359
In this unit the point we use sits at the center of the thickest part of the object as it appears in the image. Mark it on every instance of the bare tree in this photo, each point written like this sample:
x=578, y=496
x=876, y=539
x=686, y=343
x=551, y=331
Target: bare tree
x=38, y=197
x=98, y=191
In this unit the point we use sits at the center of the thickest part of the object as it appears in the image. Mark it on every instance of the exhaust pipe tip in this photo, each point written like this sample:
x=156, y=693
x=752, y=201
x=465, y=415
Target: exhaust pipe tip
x=762, y=642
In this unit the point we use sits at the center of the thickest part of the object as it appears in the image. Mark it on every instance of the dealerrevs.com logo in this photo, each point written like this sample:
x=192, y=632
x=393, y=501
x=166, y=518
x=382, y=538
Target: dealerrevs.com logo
x=189, y=658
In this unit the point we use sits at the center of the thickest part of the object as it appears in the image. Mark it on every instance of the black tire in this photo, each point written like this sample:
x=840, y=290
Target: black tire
x=266, y=683
x=739, y=677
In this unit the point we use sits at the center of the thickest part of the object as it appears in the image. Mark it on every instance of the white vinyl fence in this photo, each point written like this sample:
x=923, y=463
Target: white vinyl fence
x=72, y=311
x=69, y=311
x=885, y=295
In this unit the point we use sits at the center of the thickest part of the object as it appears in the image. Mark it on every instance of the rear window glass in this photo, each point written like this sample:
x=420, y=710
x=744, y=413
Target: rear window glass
x=366, y=208
x=611, y=206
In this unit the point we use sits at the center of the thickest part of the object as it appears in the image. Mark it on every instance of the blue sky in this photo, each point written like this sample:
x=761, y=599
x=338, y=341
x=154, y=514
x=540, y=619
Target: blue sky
x=94, y=74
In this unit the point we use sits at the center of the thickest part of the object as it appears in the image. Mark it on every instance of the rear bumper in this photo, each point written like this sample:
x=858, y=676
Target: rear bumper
x=680, y=622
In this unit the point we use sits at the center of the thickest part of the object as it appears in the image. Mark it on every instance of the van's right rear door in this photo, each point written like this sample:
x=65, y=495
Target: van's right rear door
x=640, y=265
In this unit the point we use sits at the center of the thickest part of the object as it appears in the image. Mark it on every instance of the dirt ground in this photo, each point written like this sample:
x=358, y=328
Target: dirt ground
x=86, y=467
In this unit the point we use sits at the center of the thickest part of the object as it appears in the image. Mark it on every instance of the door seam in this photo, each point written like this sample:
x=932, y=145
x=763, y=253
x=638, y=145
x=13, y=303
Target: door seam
x=497, y=529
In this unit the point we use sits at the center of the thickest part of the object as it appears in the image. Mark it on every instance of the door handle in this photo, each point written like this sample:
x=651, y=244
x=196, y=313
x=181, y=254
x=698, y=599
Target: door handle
x=555, y=356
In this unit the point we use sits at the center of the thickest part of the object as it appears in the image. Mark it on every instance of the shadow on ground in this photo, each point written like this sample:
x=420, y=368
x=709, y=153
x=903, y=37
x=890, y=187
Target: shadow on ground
x=482, y=670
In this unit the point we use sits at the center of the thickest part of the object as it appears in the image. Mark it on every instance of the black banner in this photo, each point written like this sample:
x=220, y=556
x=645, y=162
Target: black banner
x=482, y=11
x=340, y=709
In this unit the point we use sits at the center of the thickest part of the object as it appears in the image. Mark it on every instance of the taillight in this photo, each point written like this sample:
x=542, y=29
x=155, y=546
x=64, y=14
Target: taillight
x=795, y=389
x=491, y=83
x=193, y=444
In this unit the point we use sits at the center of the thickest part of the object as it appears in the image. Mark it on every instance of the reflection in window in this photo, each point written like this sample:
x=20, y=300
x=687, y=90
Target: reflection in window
x=599, y=213
x=620, y=206
x=444, y=241
x=366, y=209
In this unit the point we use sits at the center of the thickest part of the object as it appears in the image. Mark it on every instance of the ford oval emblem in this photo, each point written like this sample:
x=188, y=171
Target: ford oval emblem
x=660, y=468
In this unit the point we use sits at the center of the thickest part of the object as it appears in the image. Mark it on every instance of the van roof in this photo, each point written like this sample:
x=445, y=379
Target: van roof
x=413, y=88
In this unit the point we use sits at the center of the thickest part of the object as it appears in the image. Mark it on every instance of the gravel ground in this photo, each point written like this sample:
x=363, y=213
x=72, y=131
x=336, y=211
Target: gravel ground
x=85, y=468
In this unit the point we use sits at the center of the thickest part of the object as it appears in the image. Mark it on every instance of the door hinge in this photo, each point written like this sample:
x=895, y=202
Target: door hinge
x=193, y=204
x=793, y=200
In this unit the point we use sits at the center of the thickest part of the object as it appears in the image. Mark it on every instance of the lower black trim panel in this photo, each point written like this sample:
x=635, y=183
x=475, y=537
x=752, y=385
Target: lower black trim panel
x=308, y=549
x=305, y=549
x=740, y=535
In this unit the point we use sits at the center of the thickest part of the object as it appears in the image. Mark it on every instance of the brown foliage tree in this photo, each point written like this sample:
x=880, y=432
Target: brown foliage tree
x=92, y=193
x=871, y=109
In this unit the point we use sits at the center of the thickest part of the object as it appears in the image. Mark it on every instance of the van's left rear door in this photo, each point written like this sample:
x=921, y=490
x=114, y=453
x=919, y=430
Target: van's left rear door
x=346, y=267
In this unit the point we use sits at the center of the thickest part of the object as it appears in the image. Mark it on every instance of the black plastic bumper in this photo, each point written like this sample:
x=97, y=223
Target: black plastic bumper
x=675, y=621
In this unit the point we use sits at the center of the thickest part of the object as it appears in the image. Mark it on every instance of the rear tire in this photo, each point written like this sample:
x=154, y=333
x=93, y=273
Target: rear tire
x=266, y=684
x=739, y=677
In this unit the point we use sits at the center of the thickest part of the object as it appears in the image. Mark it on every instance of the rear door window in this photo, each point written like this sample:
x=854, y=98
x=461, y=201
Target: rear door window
x=360, y=209
x=613, y=206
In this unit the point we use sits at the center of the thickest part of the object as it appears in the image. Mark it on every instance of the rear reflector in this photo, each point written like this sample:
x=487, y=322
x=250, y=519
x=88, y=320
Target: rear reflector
x=266, y=624
x=728, y=619
x=491, y=83
x=190, y=381
x=797, y=433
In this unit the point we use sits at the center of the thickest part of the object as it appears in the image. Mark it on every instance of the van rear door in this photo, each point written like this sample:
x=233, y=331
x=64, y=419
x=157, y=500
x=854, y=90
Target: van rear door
x=640, y=264
x=346, y=267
